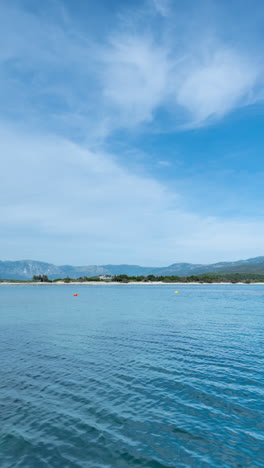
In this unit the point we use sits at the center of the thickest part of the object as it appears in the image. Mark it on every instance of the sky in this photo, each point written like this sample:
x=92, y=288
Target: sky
x=131, y=131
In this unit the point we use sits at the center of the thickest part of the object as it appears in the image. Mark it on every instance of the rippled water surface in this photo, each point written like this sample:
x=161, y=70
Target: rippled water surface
x=132, y=376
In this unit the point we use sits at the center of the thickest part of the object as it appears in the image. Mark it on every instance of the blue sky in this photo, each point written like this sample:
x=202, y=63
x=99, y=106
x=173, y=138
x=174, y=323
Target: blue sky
x=131, y=132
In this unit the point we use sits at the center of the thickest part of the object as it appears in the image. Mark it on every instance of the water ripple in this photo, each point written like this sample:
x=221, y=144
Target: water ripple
x=132, y=377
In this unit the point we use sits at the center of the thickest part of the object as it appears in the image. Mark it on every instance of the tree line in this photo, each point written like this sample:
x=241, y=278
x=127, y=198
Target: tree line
x=203, y=278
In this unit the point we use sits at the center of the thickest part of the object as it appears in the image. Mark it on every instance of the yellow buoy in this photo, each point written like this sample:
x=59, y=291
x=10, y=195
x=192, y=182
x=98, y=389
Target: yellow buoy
x=176, y=292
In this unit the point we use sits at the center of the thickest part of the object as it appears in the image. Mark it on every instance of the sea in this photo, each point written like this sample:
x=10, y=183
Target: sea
x=131, y=376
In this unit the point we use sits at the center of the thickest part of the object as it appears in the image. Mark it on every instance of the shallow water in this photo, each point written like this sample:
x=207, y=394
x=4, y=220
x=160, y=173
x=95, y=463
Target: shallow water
x=132, y=376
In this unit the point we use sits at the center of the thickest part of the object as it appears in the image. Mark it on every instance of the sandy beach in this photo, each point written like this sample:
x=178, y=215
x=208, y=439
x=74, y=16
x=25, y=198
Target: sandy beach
x=116, y=283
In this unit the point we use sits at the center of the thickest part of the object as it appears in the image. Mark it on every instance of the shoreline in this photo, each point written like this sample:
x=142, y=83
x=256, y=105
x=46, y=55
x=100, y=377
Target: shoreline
x=116, y=283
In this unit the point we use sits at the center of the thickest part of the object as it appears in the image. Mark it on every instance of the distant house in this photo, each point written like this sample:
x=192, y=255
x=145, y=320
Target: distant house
x=106, y=277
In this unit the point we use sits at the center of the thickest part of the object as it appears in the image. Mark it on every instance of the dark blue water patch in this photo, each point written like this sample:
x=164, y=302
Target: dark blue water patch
x=132, y=376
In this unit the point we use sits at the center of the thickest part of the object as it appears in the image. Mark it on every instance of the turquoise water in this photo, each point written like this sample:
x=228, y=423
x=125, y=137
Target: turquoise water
x=132, y=376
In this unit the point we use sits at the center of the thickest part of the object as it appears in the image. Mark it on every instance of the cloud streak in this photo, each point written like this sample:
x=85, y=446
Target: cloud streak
x=134, y=76
x=221, y=82
x=197, y=81
x=72, y=196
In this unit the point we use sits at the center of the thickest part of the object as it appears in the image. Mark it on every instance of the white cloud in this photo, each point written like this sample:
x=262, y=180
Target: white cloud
x=198, y=83
x=139, y=73
x=164, y=163
x=57, y=195
x=134, y=78
x=214, y=85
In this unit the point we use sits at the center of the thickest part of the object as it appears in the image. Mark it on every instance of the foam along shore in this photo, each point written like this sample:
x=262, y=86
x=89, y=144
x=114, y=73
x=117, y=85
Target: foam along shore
x=117, y=283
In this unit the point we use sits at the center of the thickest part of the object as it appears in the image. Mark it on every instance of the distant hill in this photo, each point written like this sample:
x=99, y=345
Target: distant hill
x=26, y=269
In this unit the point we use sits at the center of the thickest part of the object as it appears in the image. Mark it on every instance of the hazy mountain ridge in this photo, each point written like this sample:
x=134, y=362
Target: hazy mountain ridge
x=26, y=269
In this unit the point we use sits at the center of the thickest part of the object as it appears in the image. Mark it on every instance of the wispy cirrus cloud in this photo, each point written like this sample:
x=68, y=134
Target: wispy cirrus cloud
x=55, y=72
x=134, y=78
x=196, y=81
x=218, y=83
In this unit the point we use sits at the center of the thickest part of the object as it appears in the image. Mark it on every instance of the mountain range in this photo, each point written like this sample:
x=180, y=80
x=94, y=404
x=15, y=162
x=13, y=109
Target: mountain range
x=26, y=269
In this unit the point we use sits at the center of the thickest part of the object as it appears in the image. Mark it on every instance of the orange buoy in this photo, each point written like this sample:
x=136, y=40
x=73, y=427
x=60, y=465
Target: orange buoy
x=75, y=294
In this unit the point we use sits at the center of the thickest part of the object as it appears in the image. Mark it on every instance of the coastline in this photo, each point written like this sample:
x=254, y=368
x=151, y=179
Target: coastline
x=116, y=283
